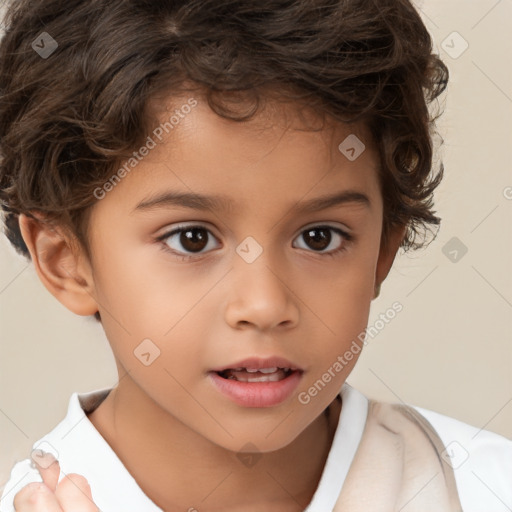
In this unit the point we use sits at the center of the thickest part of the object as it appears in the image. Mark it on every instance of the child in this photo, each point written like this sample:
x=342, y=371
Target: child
x=224, y=185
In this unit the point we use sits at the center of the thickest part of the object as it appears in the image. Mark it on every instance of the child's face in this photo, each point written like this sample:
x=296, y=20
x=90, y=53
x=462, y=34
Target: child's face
x=227, y=302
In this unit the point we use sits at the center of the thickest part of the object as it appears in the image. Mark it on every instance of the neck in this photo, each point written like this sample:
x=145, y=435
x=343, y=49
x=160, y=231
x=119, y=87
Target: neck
x=178, y=469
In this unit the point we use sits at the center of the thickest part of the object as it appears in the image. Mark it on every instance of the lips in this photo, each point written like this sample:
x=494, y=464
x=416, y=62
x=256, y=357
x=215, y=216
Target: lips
x=257, y=382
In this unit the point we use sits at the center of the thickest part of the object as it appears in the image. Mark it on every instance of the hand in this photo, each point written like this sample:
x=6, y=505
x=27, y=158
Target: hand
x=72, y=494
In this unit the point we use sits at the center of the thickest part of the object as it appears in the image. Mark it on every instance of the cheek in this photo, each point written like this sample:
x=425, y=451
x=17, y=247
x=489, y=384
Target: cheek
x=341, y=300
x=341, y=293
x=143, y=299
x=138, y=291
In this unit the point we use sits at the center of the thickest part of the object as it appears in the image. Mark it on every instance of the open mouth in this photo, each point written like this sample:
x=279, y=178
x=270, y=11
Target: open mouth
x=274, y=374
x=257, y=381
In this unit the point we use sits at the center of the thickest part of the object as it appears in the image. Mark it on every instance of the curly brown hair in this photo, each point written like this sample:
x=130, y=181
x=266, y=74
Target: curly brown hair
x=67, y=120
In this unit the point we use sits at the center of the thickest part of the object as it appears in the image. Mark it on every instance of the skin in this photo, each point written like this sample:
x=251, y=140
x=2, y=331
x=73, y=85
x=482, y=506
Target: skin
x=214, y=309
x=72, y=494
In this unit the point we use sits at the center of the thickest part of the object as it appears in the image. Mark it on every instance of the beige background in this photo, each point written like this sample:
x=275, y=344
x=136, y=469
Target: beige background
x=449, y=350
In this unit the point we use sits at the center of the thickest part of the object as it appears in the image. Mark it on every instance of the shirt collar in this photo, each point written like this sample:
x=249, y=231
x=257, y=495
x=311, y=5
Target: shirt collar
x=81, y=449
x=351, y=423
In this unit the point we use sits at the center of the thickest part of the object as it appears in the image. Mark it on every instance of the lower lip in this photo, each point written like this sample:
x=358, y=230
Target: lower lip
x=257, y=394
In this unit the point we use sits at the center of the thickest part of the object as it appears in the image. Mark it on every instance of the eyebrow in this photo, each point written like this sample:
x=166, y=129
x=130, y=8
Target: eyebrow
x=220, y=202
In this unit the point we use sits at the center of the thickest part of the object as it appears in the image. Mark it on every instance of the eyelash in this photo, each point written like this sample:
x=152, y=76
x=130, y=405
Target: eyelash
x=184, y=257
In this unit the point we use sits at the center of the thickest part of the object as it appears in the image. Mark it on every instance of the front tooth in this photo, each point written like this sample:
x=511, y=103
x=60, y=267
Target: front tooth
x=251, y=370
x=264, y=378
x=268, y=370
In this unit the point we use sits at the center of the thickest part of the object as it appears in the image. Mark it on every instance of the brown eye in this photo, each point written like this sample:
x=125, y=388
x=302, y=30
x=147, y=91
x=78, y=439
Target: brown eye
x=194, y=239
x=326, y=240
x=317, y=238
x=187, y=240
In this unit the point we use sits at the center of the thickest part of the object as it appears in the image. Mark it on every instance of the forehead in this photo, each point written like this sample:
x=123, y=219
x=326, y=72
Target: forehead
x=275, y=121
x=280, y=156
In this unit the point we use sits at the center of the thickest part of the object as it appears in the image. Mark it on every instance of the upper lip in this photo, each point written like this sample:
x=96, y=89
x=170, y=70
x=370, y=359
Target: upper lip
x=258, y=363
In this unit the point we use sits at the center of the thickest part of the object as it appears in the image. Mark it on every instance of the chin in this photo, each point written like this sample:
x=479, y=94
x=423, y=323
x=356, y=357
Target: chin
x=270, y=437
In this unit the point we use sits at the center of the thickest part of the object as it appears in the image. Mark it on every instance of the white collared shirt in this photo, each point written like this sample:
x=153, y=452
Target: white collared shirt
x=482, y=460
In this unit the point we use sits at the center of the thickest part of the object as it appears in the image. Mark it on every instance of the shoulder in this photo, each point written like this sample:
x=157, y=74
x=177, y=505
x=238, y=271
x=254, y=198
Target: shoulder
x=481, y=460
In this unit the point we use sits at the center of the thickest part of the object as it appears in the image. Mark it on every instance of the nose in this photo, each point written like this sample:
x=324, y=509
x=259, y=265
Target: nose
x=260, y=297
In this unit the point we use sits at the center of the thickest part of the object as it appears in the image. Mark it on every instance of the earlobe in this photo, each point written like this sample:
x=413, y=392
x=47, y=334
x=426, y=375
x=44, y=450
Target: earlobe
x=61, y=267
x=387, y=254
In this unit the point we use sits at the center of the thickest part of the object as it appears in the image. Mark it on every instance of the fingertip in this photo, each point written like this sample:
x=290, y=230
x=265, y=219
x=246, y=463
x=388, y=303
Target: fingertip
x=50, y=474
x=75, y=483
x=74, y=492
x=49, y=467
x=41, y=458
x=78, y=479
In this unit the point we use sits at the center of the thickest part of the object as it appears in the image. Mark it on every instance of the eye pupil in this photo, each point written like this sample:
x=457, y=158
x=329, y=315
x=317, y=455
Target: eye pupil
x=318, y=241
x=194, y=239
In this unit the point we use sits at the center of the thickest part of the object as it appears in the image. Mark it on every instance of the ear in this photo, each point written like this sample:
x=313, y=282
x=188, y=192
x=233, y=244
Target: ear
x=60, y=264
x=387, y=253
